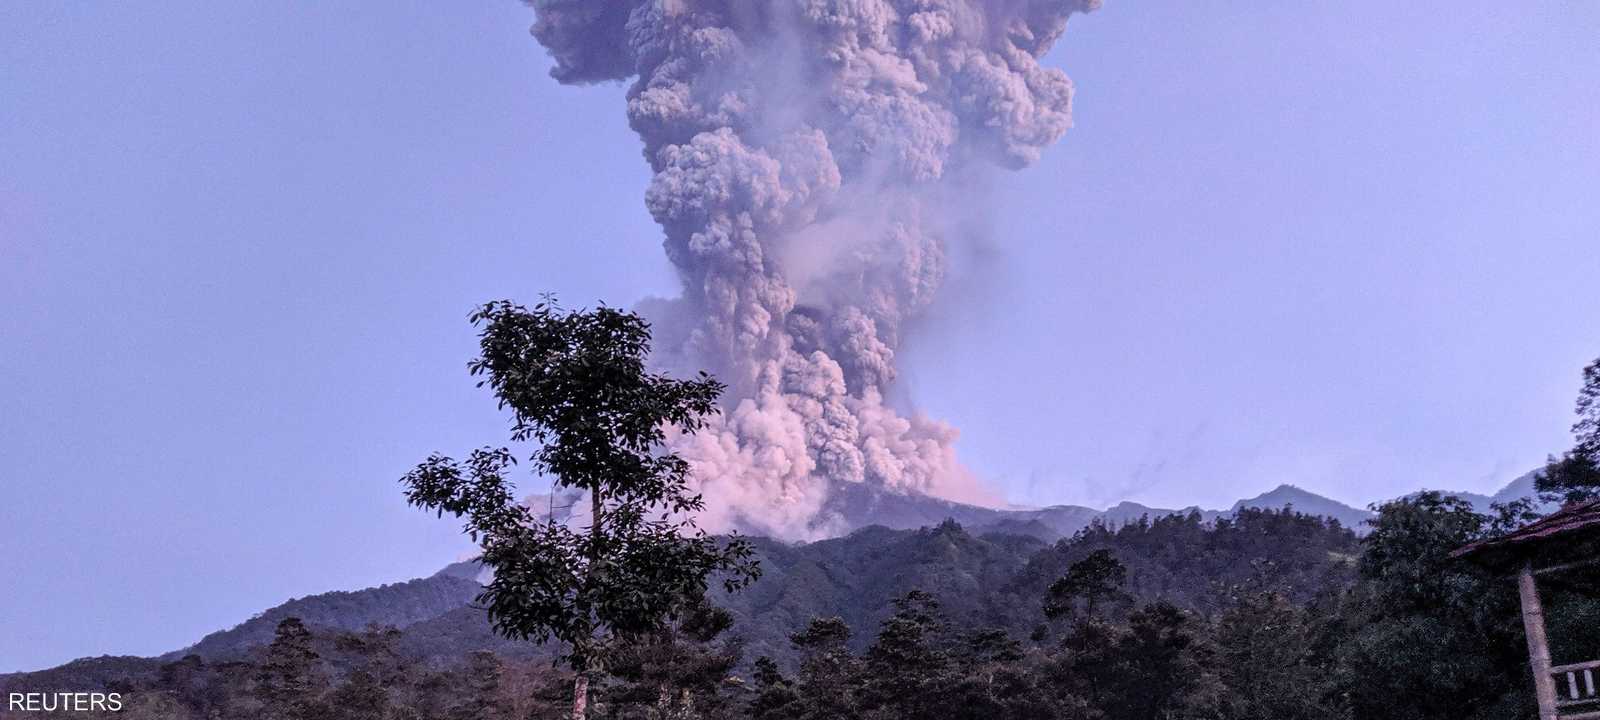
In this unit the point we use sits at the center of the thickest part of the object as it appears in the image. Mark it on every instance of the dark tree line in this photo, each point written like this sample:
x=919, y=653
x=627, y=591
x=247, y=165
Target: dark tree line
x=1407, y=634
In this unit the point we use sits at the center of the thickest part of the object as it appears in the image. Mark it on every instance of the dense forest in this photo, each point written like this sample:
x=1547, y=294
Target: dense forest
x=1271, y=614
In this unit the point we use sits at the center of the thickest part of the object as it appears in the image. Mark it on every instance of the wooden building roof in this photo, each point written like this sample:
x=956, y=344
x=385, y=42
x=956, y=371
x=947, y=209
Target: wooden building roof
x=1555, y=534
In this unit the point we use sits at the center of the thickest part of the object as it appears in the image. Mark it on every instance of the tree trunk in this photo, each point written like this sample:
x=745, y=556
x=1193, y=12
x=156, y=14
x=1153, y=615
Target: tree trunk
x=580, y=684
x=580, y=696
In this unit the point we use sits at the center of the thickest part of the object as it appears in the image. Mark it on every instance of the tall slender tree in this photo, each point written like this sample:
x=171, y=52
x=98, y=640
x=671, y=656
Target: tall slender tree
x=1096, y=580
x=1575, y=475
x=577, y=386
x=290, y=680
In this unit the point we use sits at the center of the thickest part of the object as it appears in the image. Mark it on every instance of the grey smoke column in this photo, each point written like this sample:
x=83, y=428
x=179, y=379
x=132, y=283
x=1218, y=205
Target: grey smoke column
x=805, y=154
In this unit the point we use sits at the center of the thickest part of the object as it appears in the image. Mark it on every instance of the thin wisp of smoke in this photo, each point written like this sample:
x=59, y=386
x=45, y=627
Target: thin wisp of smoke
x=804, y=154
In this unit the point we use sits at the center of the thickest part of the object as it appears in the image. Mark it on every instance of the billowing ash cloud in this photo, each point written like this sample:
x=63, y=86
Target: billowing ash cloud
x=805, y=154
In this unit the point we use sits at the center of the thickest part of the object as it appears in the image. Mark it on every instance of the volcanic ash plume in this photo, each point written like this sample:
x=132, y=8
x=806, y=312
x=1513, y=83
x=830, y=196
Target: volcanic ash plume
x=806, y=155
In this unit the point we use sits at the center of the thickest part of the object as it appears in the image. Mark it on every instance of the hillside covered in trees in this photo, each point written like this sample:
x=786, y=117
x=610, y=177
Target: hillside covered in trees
x=1269, y=614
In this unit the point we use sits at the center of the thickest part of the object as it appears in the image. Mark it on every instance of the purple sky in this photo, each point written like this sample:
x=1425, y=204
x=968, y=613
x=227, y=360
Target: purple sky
x=1350, y=247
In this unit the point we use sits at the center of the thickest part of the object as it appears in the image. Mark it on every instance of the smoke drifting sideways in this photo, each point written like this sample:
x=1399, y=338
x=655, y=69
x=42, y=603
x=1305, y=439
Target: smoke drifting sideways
x=811, y=159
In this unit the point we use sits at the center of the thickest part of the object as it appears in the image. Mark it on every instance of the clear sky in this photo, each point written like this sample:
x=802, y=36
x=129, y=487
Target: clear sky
x=1350, y=246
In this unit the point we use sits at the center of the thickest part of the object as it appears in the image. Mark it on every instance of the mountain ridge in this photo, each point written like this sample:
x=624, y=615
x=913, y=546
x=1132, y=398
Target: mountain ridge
x=854, y=506
x=427, y=602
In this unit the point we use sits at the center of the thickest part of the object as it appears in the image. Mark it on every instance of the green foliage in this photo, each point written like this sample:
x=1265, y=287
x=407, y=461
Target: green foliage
x=857, y=578
x=1157, y=666
x=361, y=697
x=918, y=667
x=1572, y=477
x=909, y=667
x=776, y=696
x=1575, y=475
x=1166, y=668
x=1587, y=428
x=1269, y=660
x=1422, y=626
x=290, y=679
x=1196, y=565
x=679, y=671
x=577, y=386
x=1406, y=558
x=996, y=677
x=829, y=674
x=1096, y=580
x=481, y=693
